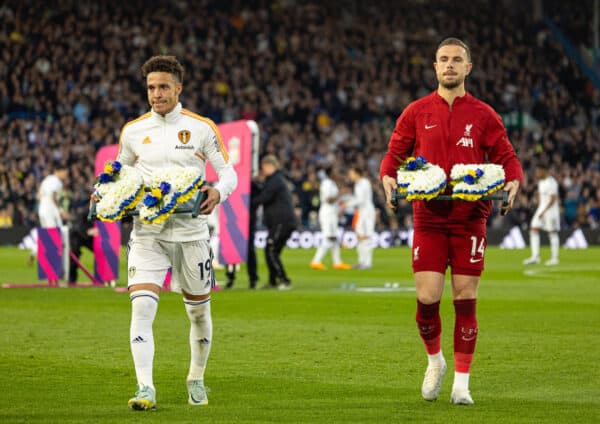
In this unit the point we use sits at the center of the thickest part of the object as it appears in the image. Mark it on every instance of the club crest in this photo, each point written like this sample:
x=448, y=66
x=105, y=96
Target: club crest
x=184, y=136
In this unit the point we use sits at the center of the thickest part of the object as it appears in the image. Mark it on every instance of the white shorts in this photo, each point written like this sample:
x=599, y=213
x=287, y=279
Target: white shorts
x=549, y=222
x=365, y=224
x=329, y=226
x=49, y=217
x=149, y=260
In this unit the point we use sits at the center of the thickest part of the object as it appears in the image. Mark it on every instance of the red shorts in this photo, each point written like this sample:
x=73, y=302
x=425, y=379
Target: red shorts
x=460, y=246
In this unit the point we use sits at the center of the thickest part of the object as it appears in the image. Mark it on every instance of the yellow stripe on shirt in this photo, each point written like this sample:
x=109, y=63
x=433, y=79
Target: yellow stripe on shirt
x=214, y=128
x=141, y=118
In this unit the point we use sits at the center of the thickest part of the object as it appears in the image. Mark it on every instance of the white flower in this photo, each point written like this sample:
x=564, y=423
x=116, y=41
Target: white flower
x=492, y=179
x=116, y=196
x=424, y=183
x=183, y=182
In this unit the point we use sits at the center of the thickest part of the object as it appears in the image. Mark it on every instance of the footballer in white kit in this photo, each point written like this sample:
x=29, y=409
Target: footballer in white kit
x=329, y=222
x=171, y=136
x=546, y=217
x=49, y=211
x=365, y=222
x=49, y=194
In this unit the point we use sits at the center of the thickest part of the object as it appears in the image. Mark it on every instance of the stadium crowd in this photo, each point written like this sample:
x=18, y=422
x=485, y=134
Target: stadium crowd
x=324, y=80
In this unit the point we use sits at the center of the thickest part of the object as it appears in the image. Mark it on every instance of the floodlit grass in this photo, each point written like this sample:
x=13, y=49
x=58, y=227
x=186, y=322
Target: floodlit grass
x=314, y=354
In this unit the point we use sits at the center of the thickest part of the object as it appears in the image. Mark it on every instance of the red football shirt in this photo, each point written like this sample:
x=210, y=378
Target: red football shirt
x=470, y=132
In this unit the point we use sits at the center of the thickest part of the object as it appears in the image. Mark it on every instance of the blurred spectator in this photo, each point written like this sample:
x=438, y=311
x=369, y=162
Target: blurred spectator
x=325, y=83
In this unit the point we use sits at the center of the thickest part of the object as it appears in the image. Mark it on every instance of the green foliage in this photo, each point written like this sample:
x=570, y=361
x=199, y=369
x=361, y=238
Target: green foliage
x=314, y=354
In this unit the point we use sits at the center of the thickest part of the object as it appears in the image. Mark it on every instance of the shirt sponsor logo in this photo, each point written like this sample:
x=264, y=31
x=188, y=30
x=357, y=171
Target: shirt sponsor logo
x=184, y=136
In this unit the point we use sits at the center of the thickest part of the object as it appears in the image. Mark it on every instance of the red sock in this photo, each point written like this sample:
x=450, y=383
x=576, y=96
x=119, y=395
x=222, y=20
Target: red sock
x=465, y=334
x=430, y=326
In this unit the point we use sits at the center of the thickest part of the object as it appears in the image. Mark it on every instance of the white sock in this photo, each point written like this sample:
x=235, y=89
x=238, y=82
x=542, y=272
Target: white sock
x=368, y=253
x=554, y=245
x=534, y=239
x=144, y=305
x=335, y=254
x=200, y=336
x=436, y=359
x=461, y=381
x=365, y=252
x=322, y=250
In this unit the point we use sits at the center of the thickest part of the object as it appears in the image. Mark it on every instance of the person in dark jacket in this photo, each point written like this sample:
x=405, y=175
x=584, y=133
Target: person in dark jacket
x=81, y=234
x=279, y=217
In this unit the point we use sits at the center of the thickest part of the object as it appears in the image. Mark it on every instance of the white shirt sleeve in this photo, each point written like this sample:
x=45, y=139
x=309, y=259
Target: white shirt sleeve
x=361, y=194
x=126, y=155
x=215, y=152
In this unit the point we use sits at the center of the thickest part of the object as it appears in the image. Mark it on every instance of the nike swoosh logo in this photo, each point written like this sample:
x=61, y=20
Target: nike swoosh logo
x=428, y=127
x=474, y=261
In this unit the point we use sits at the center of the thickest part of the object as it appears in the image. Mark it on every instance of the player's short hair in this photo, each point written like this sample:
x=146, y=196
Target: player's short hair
x=453, y=41
x=271, y=160
x=59, y=166
x=168, y=64
x=357, y=170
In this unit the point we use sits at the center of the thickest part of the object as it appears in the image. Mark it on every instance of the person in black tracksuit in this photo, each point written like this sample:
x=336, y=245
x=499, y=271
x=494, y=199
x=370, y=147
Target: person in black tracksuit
x=279, y=217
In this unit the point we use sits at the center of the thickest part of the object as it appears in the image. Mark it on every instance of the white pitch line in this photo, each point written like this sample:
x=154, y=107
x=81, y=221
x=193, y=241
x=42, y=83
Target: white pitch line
x=556, y=272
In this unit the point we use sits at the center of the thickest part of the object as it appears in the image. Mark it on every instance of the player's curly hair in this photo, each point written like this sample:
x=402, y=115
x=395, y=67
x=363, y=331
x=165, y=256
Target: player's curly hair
x=168, y=64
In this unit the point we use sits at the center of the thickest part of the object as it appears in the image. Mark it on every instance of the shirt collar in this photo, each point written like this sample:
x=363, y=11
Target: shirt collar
x=439, y=98
x=169, y=117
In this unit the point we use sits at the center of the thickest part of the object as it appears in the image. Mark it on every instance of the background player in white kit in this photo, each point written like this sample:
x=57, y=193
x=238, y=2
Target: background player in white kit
x=546, y=217
x=50, y=213
x=365, y=223
x=165, y=137
x=328, y=220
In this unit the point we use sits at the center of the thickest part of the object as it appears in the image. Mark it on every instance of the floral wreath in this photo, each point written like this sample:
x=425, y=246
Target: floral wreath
x=419, y=179
x=119, y=189
x=472, y=182
x=169, y=188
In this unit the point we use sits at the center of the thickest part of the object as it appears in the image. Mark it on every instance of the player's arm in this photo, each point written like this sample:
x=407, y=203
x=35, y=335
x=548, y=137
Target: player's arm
x=214, y=150
x=401, y=144
x=501, y=152
x=126, y=155
x=553, y=199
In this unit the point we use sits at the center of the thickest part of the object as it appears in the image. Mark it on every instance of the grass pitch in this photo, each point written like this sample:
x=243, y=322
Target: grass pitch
x=314, y=354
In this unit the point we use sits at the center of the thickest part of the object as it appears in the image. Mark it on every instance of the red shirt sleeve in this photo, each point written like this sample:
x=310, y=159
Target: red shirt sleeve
x=500, y=150
x=401, y=144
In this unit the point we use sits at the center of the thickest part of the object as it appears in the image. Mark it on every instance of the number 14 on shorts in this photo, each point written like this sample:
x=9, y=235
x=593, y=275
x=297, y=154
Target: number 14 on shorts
x=477, y=247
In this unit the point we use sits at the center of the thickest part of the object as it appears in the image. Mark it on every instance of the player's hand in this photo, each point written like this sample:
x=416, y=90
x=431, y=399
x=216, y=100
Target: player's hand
x=212, y=199
x=389, y=184
x=512, y=187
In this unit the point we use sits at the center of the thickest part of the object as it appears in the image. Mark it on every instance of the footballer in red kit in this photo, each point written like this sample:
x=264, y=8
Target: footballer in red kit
x=448, y=127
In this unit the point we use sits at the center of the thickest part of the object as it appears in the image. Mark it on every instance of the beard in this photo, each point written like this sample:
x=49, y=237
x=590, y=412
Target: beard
x=449, y=85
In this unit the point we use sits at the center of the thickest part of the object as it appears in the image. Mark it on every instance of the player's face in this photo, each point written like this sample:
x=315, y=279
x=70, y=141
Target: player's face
x=163, y=91
x=452, y=66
